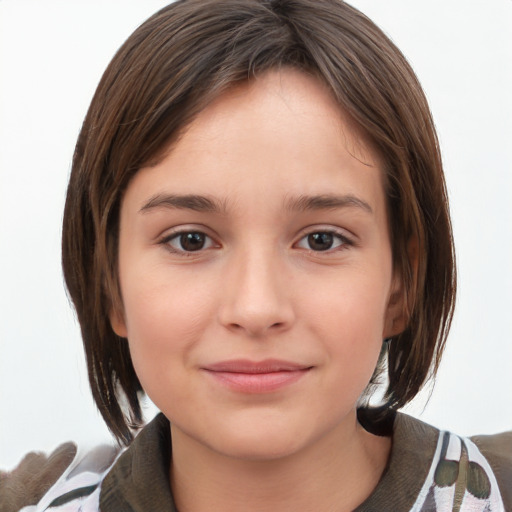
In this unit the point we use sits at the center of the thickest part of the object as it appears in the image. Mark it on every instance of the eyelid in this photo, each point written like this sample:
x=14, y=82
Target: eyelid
x=177, y=231
x=347, y=239
x=171, y=231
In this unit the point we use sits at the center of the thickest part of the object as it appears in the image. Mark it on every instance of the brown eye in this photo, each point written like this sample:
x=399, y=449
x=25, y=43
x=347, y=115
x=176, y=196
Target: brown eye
x=188, y=241
x=192, y=241
x=320, y=241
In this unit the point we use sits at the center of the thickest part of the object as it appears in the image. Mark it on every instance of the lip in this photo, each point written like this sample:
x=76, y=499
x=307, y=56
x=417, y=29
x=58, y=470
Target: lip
x=247, y=376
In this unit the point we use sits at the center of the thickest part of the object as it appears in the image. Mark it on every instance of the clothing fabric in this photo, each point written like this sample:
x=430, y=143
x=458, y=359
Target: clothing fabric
x=428, y=471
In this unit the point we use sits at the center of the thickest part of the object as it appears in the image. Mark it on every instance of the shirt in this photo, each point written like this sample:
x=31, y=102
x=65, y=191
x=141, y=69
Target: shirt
x=428, y=471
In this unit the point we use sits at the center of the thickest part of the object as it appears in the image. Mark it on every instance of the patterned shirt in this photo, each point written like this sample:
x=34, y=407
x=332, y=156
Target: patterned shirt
x=428, y=471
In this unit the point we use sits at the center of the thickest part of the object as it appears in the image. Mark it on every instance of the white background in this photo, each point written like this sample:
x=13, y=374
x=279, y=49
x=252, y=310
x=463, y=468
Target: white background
x=52, y=54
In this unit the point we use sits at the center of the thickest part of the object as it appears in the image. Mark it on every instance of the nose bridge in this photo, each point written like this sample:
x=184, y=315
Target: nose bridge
x=256, y=298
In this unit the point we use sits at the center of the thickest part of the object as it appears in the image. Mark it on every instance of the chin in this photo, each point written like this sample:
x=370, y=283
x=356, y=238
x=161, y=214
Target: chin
x=259, y=445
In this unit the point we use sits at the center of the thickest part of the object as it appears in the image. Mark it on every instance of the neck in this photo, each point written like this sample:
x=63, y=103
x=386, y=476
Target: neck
x=336, y=473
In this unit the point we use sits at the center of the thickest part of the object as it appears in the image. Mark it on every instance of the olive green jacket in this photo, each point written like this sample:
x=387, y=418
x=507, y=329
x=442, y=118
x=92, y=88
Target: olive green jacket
x=428, y=471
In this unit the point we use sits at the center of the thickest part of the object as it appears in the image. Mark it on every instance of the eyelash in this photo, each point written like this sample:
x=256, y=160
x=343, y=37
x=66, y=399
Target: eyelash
x=343, y=241
x=166, y=241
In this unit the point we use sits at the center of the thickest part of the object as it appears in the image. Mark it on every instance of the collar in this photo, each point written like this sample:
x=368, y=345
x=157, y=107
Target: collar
x=412, y=451
x=139, y=480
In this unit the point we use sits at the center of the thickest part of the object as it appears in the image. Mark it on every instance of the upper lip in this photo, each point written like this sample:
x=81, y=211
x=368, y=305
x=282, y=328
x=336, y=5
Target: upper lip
x=247, y=366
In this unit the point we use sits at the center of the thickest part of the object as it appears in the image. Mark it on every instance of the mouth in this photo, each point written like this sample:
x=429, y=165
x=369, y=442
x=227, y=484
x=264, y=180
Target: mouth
x=246, y=376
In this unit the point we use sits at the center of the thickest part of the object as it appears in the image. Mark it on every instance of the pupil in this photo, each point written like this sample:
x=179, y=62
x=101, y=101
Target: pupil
x=320, y=241
x=192, y=241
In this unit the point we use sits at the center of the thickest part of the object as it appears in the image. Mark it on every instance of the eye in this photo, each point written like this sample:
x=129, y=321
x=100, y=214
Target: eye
x=323, y=241
x=188, y=241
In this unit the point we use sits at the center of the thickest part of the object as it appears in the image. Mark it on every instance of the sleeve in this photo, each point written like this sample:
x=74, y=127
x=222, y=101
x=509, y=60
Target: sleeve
x=33, y=477
x=497, y=449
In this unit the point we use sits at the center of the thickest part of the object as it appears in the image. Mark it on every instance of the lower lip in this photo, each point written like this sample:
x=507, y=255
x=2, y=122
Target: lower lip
x=258, y=382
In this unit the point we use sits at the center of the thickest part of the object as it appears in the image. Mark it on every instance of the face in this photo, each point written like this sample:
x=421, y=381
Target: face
x=256, y=272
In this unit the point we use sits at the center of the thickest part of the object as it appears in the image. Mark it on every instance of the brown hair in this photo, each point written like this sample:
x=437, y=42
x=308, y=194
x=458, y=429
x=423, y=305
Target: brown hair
x=165, y=73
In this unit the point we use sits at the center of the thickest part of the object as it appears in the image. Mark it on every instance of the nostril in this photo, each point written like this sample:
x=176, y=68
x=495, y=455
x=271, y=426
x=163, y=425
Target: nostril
x=256, y=330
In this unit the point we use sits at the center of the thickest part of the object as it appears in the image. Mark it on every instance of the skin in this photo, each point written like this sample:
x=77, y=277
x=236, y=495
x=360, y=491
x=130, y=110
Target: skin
x=261, y=285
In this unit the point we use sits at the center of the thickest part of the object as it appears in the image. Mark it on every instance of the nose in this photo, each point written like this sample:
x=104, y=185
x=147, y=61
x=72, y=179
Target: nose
x=256, y=299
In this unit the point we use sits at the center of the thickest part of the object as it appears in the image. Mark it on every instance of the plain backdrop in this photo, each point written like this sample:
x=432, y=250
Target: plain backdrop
x=52, y=54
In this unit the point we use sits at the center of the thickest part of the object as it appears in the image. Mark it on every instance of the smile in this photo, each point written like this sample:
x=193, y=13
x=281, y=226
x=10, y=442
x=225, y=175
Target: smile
x=245, y=376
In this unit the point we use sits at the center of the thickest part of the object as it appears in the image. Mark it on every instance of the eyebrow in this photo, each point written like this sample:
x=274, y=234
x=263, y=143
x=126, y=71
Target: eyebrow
x=206, y=204
x=185, y=202
x=326, y=202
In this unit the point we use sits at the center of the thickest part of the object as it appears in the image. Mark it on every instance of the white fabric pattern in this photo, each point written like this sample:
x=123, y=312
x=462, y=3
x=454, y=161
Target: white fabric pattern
x=460, y=480
x=78, y=488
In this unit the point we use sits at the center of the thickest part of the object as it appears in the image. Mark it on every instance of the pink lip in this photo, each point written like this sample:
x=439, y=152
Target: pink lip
x=256, y=376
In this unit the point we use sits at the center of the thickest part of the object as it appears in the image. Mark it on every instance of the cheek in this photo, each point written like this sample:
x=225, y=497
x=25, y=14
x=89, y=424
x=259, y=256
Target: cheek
x=352, y=307
x=163, y=324
x=348, y=319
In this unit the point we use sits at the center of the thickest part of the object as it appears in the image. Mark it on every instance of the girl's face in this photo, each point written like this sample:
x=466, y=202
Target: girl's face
x=256, y=272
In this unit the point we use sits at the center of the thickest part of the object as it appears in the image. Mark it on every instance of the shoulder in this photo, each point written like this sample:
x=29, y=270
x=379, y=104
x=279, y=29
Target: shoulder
x=66, y=477
x=465, y=473
x=497, y=449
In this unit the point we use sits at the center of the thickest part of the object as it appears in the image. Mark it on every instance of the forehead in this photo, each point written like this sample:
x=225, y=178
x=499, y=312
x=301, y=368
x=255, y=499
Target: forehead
x=281, y=130
x=285, y=98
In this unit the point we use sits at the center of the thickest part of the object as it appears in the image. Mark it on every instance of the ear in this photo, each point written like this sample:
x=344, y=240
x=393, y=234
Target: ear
x=401, y=297
x=397, y=315
x=118, y=322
